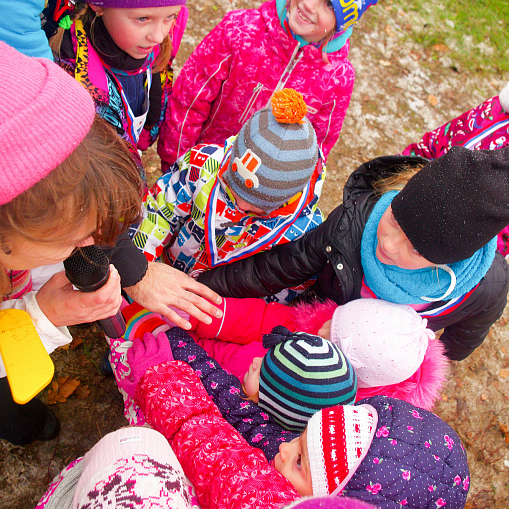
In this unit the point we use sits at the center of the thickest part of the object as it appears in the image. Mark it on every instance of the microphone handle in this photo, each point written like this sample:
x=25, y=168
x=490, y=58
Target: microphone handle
x=113, y=326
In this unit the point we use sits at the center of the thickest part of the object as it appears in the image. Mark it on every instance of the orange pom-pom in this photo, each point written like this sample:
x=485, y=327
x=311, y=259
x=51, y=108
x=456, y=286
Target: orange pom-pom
x=288, y=106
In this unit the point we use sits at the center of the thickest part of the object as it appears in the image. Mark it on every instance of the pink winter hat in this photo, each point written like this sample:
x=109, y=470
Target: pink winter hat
x=44, y=116
x=385, y=342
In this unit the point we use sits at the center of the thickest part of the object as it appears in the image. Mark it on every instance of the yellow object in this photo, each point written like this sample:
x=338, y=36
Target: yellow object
x=28, y=365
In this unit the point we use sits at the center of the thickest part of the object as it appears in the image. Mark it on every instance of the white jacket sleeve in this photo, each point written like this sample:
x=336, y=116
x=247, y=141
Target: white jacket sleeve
x=52, y=337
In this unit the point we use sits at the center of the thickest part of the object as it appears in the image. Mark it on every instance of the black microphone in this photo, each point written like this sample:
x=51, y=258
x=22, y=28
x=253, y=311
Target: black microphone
x=88, y=269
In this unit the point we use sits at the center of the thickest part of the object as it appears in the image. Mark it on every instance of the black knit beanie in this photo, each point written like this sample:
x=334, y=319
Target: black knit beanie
x=456, y=204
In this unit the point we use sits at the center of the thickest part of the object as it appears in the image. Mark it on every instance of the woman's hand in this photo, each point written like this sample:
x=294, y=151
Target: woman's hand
x=63, y=305
x=163, y=286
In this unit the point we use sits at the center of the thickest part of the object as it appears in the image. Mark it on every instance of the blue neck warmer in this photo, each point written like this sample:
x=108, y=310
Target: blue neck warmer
x=335, y=44
x=403, y=286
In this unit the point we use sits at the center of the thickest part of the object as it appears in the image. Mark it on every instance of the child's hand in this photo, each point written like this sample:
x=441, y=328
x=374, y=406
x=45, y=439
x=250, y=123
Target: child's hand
x=324, y=330
x=145, y=353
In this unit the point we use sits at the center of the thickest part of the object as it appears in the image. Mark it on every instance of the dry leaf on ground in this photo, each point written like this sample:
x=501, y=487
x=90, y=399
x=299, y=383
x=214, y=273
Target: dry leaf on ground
x=61, y=390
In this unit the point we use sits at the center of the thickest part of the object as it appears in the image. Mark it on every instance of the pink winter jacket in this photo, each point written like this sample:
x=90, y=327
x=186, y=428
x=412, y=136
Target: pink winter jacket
x=233, y=73
x=245, y=321
x=225, y=471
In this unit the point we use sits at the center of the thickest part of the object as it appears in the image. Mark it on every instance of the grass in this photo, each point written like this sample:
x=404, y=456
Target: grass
x=474, y=34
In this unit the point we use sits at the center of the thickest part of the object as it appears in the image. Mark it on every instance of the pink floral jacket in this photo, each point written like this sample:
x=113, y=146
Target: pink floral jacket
x=225, y=471
x=233, y=73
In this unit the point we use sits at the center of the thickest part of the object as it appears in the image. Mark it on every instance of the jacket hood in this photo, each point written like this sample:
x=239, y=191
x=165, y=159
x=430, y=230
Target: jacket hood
x=415, y=460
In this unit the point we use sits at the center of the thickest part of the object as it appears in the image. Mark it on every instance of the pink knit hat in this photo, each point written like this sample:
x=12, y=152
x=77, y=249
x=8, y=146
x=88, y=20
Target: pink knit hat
x=385, y=342
x=44, y=115
x=133, y=467
x=338, y=438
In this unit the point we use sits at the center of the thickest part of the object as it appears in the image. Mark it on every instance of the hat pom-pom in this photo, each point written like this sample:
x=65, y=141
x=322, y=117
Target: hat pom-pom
x=279, y=334
x=288, y=106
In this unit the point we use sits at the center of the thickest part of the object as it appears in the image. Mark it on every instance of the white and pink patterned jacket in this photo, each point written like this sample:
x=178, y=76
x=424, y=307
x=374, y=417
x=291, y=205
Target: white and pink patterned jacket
x=235, y=70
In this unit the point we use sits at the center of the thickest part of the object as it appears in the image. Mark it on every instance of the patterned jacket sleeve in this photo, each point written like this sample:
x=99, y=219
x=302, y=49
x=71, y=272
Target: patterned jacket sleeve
x=164, y=208
x=194, y=91
x=247, y=418
x=482, y=127
x=225, y=471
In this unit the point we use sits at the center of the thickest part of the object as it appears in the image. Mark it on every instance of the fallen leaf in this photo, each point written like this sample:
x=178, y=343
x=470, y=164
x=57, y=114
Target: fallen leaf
x=445, y=398
x=442, y=48
x=385, y=63
x=505, y=430
x=82, y=392
x=389, y=31
x=76, y=341
x=503, y=373
x=432, y=99
x=61, y=390
x=484, y=397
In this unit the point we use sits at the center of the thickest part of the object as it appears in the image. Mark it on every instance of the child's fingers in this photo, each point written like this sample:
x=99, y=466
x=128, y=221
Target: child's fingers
x=164, y=345
x=150, y=342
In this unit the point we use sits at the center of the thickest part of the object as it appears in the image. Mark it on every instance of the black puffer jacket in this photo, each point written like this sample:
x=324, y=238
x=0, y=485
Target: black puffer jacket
x=332, y=253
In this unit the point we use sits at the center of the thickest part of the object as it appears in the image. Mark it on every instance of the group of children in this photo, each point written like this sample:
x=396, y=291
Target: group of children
x=264, y=402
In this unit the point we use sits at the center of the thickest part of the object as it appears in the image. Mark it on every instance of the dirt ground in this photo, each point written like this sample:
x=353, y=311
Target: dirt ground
x=401, y=91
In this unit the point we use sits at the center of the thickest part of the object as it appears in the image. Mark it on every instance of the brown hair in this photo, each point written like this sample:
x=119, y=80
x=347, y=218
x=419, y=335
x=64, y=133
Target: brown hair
x=87, y=15
x=99, y=177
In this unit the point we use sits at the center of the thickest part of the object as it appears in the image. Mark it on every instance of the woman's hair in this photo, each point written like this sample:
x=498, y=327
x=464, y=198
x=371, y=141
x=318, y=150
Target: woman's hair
x=396, y=181
x=98, y=178
x=87, y=15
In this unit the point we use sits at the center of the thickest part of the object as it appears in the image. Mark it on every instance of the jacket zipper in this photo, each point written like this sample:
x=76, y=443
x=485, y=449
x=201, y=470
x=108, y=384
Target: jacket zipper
x=256, y=92
x=294, y=60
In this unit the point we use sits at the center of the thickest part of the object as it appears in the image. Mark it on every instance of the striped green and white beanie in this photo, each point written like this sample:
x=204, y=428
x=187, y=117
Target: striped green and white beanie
x=275, y=153
x=301, y=374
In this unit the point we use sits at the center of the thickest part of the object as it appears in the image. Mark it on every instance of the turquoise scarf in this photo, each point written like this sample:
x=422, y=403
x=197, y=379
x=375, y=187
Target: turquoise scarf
x=404, y=286
x=335, y=44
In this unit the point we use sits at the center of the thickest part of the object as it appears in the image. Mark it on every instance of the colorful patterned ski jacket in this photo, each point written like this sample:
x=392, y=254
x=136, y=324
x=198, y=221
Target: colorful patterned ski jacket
x=225, y=471
x=189, y=217
x=233, y=73
x=485, y=127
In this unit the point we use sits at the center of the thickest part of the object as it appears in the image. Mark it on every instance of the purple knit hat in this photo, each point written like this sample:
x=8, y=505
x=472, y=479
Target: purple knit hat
x=134, y=4
x=44, y=116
